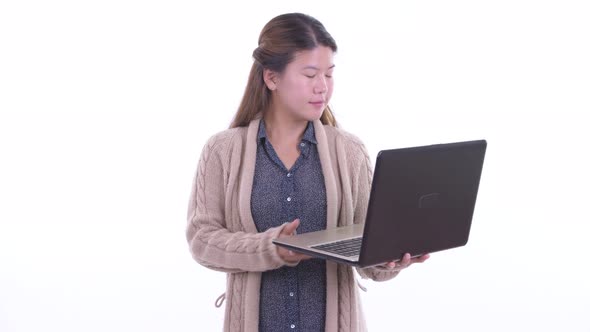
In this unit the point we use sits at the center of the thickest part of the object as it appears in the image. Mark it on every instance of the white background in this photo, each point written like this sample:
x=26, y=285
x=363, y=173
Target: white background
x=105, y=106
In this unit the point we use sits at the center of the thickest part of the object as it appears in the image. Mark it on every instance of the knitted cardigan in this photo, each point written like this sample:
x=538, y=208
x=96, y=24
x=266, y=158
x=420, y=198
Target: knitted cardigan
x=222, y=235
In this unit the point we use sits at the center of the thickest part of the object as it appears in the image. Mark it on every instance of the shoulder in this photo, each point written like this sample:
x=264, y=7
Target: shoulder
x=221, y=143
x=227, y=136
x=349, y=141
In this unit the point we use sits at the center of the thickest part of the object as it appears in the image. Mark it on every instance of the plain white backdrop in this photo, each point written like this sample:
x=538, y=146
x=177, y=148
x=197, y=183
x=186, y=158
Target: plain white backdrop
x=105, y=106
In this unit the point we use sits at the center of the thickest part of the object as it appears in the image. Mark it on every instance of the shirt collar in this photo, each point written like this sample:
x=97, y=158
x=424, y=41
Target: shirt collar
x=308, y=134
x=261, y=132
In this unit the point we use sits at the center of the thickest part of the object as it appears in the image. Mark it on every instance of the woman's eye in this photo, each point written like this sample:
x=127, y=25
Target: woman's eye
x=310, y=76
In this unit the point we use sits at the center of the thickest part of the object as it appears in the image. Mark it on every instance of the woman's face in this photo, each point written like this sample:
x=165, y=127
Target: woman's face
x=303, y=90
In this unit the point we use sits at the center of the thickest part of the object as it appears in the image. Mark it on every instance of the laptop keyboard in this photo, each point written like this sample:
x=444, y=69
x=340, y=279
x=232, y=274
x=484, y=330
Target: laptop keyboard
x=348, y=247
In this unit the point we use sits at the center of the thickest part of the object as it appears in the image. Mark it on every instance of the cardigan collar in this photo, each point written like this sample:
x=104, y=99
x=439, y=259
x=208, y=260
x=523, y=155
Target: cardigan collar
x=308, y=134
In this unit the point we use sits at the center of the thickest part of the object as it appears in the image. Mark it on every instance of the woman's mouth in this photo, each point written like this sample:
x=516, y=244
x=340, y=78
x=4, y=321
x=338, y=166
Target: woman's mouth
x=319, y=103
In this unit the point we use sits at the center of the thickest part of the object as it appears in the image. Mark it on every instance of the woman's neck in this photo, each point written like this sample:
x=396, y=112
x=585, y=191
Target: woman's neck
x=283, y=130
x=285, y=134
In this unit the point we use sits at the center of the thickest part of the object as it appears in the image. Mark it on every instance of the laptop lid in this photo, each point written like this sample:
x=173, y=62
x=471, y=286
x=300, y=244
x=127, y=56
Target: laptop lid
x=422, y=200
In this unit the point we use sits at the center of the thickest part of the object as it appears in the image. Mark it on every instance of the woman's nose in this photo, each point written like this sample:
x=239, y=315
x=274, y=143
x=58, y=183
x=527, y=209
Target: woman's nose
x=321, y=85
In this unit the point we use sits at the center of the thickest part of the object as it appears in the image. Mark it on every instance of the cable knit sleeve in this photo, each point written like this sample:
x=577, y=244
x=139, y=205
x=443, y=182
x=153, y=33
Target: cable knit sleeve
x=211, y=243
x=362, y=185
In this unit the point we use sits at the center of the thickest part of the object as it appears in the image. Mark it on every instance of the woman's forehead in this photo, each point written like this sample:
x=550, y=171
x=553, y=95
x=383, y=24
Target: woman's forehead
x=321, y=57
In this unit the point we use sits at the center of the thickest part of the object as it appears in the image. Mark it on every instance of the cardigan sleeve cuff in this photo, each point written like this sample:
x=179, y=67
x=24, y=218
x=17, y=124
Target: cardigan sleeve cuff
x=377, y=273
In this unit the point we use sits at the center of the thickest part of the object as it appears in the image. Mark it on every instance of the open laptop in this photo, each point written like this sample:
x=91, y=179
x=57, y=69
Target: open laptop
x=421, y=201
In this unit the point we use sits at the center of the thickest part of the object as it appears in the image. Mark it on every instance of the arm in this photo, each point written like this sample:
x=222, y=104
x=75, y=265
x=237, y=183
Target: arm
x=211, y=243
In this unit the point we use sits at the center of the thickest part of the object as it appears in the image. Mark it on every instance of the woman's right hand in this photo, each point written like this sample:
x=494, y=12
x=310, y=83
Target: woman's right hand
x=286, y=254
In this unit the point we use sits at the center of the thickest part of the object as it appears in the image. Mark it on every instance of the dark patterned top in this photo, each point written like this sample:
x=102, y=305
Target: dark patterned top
x=291, y=298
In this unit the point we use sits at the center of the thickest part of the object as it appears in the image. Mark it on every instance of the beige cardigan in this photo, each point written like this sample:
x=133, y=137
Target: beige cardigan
x=222, y=235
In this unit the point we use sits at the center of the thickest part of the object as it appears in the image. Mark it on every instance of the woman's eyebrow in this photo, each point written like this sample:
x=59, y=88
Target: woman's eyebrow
x=316, y=68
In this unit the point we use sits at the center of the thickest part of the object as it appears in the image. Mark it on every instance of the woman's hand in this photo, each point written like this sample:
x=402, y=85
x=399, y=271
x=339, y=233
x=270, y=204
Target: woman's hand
x=286, y=254
x=406, y=261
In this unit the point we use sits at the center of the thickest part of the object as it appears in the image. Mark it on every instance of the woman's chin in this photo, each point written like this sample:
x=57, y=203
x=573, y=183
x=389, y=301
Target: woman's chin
x=314, y=115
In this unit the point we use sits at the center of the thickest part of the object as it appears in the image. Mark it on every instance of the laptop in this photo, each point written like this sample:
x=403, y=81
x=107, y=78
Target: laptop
x=422, y=201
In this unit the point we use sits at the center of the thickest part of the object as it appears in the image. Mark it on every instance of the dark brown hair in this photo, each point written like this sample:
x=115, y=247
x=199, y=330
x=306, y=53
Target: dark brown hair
x=279, y=41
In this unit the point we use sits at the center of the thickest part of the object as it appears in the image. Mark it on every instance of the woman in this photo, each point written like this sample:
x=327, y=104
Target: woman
x=283, y=166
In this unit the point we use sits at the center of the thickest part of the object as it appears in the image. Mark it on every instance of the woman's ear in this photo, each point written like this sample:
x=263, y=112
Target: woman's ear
x=270, y=79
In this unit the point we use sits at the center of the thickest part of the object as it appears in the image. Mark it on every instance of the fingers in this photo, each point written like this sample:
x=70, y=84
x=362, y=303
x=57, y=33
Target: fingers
x=291, y=256
x=397, y=265
x=286, y=254
x=406, y=261
x=297, y=256
x=290, y=228
x=421, y=259
x=390, y=265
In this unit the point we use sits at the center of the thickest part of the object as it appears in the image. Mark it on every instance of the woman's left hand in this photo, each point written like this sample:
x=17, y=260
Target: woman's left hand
x=406, y=261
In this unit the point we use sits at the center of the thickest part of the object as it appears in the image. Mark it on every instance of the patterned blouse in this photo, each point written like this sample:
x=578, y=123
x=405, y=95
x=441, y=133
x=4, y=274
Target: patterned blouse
x=291, y=298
